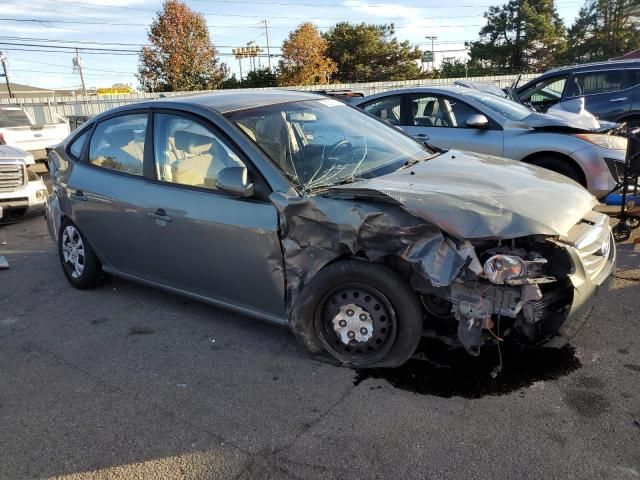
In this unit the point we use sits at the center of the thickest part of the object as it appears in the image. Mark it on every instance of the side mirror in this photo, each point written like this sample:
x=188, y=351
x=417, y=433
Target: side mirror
x=477, y=121
x=235, y=181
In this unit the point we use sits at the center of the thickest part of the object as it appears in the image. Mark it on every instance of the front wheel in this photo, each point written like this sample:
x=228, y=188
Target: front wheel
x=362, y=314
x=563, y=167
x=79, y=263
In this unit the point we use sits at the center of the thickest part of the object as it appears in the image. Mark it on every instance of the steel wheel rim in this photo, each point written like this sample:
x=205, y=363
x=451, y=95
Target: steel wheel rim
x=367, y=299
x=73, y=252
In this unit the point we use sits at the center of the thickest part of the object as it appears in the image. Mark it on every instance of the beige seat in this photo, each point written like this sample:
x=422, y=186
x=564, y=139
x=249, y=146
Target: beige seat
x=193, y=169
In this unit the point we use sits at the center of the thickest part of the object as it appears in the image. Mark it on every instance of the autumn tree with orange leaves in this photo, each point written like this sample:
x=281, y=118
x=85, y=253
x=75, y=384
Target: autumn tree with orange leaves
x=180, y=55
x=304, y=58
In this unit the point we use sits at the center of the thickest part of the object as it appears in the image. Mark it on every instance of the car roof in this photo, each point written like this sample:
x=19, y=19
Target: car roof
x=231, y=100
x=409, y=90
x=621, y=64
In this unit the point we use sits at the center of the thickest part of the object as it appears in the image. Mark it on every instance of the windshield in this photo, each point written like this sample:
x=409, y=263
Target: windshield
x=507, y=108
x=319, y=143
x=13, y=117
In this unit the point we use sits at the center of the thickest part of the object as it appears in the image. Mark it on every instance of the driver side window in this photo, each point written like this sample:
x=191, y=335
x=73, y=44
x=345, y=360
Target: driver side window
x=546, y=93
x=188, y=153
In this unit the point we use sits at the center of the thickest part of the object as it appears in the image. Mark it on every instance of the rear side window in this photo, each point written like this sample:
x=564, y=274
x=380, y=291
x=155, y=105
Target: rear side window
x=595, y=82
x=78, y=144
x=118, y=143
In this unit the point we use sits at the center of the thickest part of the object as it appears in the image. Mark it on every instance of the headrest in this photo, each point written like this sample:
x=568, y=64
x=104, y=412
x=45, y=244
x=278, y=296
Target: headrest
x=192, y=142
x=430, y=107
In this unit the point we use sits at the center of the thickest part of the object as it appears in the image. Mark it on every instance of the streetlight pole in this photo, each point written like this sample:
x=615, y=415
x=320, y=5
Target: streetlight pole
x=266, y=33
x=433, y=55
x=3, y=60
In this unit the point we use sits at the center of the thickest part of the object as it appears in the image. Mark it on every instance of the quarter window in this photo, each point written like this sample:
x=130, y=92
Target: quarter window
x=78, y=144
x=387, y=108
x=118, y=144
x=188, y=153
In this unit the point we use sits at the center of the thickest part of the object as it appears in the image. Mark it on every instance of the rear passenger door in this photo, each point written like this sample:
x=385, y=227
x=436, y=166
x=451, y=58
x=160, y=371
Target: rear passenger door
x=105, y=190
x=441, y=121
x=608, y=94
x=203, y=240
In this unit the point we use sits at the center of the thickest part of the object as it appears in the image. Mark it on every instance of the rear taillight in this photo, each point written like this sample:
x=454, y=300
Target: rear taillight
x=2, y=140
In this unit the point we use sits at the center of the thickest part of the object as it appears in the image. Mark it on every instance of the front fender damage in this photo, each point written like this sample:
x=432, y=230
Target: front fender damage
x=316, y=231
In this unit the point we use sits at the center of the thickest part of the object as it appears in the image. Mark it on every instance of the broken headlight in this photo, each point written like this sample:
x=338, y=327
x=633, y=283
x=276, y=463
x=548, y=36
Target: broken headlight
x=513, y=270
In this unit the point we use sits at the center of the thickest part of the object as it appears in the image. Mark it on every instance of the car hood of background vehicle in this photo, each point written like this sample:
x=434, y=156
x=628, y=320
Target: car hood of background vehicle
x=8, y=152
x=471, y=195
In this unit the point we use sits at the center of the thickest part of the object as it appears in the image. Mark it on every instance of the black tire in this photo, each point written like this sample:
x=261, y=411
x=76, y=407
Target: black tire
x=562, y=166
x=86, y=271
x=389, y=306
x=632, y=122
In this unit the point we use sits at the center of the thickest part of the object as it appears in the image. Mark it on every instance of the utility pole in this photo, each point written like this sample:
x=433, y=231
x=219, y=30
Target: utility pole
x=77, y=68
x=266, y=34
x=3, y=59
x=433, y=54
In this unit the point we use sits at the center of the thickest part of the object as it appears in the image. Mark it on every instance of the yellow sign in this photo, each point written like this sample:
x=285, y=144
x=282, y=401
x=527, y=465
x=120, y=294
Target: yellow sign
x=113, y=91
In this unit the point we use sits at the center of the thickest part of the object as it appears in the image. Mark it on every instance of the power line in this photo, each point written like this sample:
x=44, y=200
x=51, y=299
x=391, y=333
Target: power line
x=44, y=22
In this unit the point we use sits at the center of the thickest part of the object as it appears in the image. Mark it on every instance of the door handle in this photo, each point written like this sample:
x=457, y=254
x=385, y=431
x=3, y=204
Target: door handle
x=79, y=195
x=422, y=136
x=619, y=99
x=159, y=214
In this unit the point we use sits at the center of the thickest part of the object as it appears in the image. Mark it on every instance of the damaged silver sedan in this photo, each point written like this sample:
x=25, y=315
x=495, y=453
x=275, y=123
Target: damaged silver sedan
x=302, y=210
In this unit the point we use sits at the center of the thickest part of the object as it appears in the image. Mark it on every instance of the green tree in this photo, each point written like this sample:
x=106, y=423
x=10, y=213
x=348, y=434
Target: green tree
x=522, y=35
x=459, y=67
x=369, y=53
x=604, y=29
x=304, y=58
x=260, y=77
x=180, y=55
x=231, y=82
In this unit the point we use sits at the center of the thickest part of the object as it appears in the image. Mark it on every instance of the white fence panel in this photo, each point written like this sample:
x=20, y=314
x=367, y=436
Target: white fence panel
x=48, y=109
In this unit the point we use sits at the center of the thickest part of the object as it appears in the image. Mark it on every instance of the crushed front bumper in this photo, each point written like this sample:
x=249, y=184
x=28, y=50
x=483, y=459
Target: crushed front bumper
x=592, y=251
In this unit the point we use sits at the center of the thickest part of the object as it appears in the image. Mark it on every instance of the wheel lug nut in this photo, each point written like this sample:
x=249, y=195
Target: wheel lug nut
x=363, y=317
x=342, y=323
x=351, y=334
x=363, y=331
x=350, y=312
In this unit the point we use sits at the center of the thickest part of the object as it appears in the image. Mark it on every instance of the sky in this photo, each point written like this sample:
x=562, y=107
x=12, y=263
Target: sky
x=121, y=26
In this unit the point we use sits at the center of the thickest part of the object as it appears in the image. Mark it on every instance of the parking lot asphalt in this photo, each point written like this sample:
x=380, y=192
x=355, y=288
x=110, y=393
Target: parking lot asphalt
x=127, y=382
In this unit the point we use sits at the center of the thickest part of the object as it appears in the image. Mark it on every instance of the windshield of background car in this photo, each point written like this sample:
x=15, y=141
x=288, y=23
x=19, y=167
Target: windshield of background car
x=10, y=117
x=319, y=143
x=507, y=108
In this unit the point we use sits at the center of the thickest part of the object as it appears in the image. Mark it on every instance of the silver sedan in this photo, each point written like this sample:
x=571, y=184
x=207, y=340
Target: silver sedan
x=476, y=121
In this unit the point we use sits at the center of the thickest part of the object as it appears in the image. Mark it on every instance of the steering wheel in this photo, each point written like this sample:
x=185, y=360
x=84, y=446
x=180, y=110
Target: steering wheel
x=342, y=150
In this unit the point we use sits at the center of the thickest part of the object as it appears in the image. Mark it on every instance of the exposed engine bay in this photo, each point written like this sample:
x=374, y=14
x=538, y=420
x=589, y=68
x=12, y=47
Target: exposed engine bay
x=513, y=286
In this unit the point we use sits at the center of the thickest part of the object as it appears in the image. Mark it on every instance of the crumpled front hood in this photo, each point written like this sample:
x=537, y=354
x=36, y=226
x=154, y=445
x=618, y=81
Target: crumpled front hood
x=471, y=195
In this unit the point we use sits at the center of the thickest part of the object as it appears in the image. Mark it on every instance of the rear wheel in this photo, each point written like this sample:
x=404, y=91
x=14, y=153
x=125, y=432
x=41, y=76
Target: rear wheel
x=562, y=166
x=79, y=263
x=362, y=314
